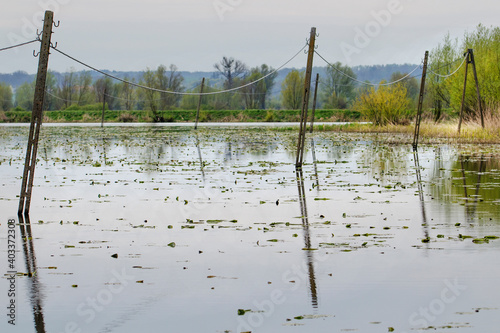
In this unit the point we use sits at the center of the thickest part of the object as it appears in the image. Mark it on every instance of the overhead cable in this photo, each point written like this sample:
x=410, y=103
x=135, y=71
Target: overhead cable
x=176, y=92
x=451, y=74
x=368, y=83
x=18, y=45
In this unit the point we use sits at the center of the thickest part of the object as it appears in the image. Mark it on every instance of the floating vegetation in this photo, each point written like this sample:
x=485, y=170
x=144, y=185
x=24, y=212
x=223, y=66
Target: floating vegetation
x=251, y=233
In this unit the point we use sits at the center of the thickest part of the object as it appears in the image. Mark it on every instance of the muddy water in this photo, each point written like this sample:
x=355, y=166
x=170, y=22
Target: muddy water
x=172, y=230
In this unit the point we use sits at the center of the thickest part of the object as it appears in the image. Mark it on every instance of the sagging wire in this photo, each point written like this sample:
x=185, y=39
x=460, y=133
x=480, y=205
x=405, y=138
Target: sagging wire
x=175, y=92
x=135, y=101
x=454, y=72
x=18, y=45
x=60, y=98
x=369, y=83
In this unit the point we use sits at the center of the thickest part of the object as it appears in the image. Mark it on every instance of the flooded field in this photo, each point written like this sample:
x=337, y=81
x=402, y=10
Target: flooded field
x=172, y=230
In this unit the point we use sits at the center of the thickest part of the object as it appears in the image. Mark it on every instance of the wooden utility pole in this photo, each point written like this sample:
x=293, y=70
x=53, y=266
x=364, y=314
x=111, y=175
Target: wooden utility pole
x=467, y=61
x=199, y=104
x=103, y=104
x=305, y=101
x=36, y=116
x=314, y=103
x=420, y=102
x=473, y=62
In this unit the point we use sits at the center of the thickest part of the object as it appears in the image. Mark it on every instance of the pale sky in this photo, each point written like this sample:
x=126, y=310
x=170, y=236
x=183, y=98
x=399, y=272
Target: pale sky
x=131, y=35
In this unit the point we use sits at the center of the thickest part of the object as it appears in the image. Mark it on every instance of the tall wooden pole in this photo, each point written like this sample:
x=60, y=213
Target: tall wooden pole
x=463, y=94
x=420, y=103
x=36, y=116
x=305, y=100
x=199, y=104
x=314, y=103
x=473, y=62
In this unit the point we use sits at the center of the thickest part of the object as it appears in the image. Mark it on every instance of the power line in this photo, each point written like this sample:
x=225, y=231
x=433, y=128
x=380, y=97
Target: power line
x=368, y=83
x=60, y=98
x=448, y=75
x=18, y=45
x=175, y=92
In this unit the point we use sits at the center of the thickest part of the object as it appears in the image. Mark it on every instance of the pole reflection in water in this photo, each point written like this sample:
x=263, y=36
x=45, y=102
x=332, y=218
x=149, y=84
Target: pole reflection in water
x=31, y=267
x=200, y=157
x=307, y=237
x=421, y=193
x=105, y=142
x=315, y=165
x=471, y=207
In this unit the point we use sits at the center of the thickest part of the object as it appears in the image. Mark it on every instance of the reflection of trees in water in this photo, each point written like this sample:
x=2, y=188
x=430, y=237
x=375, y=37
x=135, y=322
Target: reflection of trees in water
x=386, y=163
x=321, y=149
x=469, y=179
x=439, y=185
x=337, y=151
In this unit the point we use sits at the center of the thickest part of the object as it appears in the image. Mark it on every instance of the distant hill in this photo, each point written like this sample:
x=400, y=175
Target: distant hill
x=377, y=73
x=374, y=74
x=17, y=78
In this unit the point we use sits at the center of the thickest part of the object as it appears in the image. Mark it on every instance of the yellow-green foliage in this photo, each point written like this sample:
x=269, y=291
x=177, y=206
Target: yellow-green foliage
x=292, y=90
x=385, y=105
x=485, y=43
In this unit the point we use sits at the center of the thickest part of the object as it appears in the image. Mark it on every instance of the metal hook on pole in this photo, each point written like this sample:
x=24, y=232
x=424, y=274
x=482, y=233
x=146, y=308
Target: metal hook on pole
x=56, y=25
x=54, y=46
x=35, y=54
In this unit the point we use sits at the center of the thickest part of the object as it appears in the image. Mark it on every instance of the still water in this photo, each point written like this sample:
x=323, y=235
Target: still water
x=170, y=230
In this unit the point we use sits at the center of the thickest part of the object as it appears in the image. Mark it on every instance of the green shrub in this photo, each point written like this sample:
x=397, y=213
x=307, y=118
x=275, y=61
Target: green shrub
x=385, y=105
x=73, y=107
x=269, y=116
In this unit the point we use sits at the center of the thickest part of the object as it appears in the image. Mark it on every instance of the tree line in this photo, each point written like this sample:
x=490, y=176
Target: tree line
x=77, y=90
x=447, y=56
x=338, y=87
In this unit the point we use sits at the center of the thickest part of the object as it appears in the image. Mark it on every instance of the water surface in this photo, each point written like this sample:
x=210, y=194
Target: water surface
x=174, y=230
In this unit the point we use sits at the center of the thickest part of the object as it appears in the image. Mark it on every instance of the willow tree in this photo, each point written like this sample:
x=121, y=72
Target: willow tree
x=447, y=57
x=169, y=80
x=292, y=90
x=5, y=97
x=338, y=88
x=255, y=95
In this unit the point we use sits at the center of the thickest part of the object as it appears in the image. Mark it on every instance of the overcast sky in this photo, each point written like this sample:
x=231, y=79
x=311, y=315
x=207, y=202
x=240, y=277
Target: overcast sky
x=130, y=35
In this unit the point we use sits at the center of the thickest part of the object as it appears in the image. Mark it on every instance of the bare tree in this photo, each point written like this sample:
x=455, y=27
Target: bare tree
x=230, y=69
x=68, y=86
x=170, y=80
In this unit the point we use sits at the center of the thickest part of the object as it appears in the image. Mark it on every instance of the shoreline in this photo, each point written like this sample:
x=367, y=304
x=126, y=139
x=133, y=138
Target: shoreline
x=430, y=133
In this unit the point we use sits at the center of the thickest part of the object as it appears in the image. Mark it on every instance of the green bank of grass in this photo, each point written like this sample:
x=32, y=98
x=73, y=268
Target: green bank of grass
x=430, y=132
x=174, y=116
